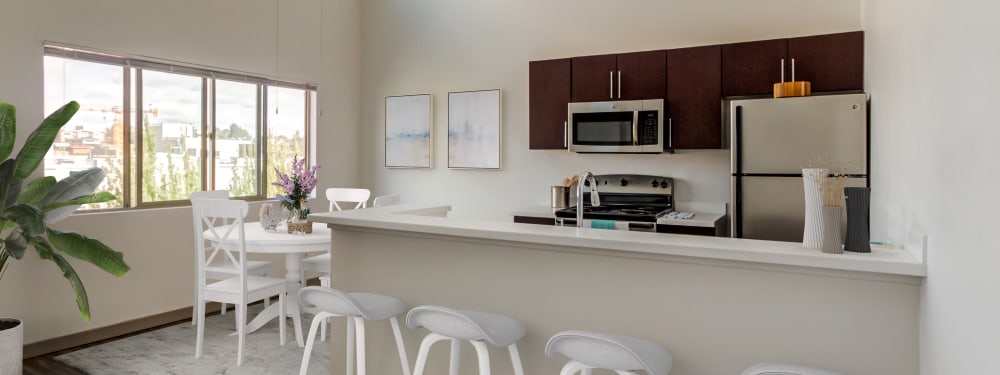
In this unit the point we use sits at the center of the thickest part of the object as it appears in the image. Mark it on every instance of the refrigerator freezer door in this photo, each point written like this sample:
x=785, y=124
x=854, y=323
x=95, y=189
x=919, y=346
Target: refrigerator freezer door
x=782, y=136
x=773, y=208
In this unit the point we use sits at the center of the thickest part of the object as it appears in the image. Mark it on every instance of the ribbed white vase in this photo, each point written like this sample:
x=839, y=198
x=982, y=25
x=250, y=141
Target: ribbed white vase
x=812, y=233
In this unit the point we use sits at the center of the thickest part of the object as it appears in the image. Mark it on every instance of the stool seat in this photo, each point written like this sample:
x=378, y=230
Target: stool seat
x=772, y=368
x=370, y=306
x=497, y=330
x=475, y=327
x=610, y=352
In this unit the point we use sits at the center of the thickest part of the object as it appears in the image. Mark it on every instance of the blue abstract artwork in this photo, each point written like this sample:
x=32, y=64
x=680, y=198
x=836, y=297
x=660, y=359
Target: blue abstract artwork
x=474, y=137
x=408, y=131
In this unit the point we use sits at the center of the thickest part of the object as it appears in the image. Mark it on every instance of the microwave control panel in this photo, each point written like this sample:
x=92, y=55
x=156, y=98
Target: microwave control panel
x=649, y=128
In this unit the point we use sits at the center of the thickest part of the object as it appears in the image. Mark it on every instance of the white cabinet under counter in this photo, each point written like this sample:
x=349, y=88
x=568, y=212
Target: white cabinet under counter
x=717, y=304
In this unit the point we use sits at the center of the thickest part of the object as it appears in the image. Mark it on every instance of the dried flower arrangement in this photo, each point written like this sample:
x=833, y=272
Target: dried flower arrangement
x=831, y=187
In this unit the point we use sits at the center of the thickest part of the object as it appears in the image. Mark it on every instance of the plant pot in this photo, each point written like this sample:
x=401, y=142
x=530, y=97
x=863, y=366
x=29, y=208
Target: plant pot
x=11, y=346
x=300, y=227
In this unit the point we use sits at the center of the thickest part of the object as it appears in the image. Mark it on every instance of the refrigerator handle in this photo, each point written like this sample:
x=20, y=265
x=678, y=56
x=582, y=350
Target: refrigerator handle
x=737, y=121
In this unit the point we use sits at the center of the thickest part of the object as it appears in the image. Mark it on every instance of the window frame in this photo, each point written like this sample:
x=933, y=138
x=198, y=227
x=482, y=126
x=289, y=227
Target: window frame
x=132, y=129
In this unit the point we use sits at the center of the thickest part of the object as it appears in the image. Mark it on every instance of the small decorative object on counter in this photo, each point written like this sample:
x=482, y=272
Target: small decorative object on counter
x=831, y=230
x=858, y=204
x=297, y=188
x=812, y=233
x=560, y=196
x=270, y=217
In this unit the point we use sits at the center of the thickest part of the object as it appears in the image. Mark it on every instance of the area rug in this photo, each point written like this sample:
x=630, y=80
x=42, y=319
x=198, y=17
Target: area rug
x=170, y=350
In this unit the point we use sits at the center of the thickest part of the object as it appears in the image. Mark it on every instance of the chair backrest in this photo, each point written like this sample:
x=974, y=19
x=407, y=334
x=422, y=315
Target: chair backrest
x=347, y=195
x=223, y=219
x=385, y=200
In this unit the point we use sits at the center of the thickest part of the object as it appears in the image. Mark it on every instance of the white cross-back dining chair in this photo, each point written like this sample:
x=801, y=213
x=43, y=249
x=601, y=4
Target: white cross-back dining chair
x=223, y=218
x=254, y=267
x=353, y=199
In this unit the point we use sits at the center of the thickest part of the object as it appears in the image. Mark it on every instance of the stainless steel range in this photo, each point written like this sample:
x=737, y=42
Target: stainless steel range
x=631, y=200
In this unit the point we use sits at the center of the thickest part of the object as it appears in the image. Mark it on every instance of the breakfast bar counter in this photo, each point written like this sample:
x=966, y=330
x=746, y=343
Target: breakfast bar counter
x=717, y=304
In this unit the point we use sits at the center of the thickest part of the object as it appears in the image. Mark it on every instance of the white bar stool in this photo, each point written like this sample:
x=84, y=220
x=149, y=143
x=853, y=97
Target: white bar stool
x=622, y=354
x=357, y=307
x=772, y=368
x=472, y=326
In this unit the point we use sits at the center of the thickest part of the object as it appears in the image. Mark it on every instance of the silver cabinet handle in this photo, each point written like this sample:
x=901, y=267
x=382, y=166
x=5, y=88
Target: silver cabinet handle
x=611, y=84
x=619, y=84
x=670, y=133
x=782, y=70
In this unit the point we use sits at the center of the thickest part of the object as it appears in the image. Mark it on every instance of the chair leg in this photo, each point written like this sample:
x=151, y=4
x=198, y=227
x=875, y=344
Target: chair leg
x=324, y=281
x=223, y=309
x=351, y=346
x=572, y=367
x=403, y=359
x=310, y=341
x=359, y=331
x=425, y=347
x=484, y=357
x=515, y=359
x=241, y=327
x=201, y=332
x=282, y=314
x=456, y=351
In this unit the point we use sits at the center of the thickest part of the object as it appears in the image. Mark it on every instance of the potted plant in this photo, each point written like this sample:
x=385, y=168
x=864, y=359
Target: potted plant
x=28, y=208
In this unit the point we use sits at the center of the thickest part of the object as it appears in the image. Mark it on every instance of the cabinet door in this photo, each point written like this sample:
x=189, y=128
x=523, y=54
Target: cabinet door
x=752, y=68
x=832, y=62
x=641, y=75
x=548, y=100
x=694, y=106
x=593, y=78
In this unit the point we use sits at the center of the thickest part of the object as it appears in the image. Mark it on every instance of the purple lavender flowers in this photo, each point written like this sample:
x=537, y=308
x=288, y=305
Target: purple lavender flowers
x=297, y=187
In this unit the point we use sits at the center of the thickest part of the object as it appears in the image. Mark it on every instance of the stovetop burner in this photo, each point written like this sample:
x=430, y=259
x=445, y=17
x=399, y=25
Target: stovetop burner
x=628, y=213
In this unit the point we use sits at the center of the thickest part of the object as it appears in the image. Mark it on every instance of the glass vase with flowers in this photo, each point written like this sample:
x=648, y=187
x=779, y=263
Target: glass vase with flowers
x=297, y=185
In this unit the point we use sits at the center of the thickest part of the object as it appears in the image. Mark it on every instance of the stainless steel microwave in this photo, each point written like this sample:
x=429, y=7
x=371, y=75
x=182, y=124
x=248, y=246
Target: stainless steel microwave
x=631, y=126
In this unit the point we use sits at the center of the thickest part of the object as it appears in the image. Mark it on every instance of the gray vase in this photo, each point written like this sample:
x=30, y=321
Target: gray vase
x=857, y=201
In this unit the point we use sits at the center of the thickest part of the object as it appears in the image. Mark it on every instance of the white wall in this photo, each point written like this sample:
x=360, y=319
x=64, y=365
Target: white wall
x=932, y=74
x=232, y=34
x=438, y=46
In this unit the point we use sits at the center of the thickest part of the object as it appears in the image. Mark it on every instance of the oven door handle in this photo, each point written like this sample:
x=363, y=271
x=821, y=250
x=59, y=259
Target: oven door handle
x=635, y=128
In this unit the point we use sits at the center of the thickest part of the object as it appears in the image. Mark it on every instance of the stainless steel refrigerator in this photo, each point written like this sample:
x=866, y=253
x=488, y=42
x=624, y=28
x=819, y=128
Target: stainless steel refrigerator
x=773, y=139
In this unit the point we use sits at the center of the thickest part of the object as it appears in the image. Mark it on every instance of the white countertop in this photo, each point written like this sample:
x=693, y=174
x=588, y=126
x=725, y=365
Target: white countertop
x=429, y=219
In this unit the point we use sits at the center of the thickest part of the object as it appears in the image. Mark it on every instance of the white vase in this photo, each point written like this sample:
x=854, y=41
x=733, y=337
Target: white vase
x=832, y=239
x=812, y=232
x=11, y=346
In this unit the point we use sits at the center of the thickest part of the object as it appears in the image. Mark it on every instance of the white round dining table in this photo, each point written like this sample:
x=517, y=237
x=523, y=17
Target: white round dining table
x=294, y=246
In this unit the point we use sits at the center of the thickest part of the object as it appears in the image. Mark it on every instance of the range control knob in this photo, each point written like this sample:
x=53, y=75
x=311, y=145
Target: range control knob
x=624, y=182
x=656, y=184
x=663, y=184
x=586, y=182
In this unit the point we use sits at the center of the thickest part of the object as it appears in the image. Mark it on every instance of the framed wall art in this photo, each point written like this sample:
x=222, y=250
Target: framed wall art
x=408, y=128
x=474, y=129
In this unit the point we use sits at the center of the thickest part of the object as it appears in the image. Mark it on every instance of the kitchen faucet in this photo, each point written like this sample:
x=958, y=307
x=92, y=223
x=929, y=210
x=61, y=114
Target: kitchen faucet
x=595, y=199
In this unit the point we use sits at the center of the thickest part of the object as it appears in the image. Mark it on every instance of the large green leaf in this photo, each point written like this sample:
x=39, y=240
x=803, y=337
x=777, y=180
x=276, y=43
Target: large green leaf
x=40, y=140
x=34, y=191
x=29, y=218
x=45, y=252
x=90, y=250
x=99, y=197
x=10, y=187
x=8, y=129
x=78, y=184
x=16, y=244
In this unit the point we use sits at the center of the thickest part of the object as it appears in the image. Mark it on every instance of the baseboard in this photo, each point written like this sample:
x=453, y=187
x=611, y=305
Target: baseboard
x=97, y=335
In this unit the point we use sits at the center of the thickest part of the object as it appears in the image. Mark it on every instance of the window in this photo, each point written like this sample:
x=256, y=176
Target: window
x=162, y=131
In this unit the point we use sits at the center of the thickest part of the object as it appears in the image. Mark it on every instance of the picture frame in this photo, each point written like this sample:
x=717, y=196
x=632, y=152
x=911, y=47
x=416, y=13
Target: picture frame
x=409, y=141
x=475, y=131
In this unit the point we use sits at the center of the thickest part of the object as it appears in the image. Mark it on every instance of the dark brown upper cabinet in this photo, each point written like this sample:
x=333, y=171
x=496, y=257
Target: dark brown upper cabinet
x=694, y=106
x=625, y=76
x=752, y=68
x=548, y=101
x=831, y=62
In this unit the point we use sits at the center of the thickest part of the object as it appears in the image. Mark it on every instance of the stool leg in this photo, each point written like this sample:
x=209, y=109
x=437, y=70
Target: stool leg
x=425, y=347
x=359, y=327
x=515, y=359
x=350, y=346
x=484, y=357
x=324, y=281
x=311, y=340
x=403, y=359
x=625, y=372
x=572, y=367
x=587, y=371
x=456, y=350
